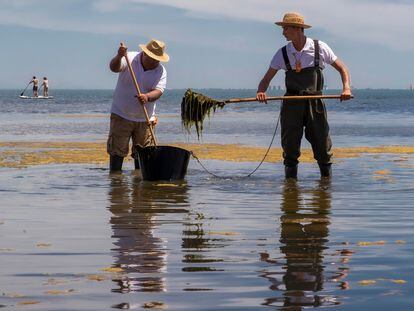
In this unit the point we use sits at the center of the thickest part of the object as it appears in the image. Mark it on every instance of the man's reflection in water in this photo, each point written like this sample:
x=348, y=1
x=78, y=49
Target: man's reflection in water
x=304, y=233
x=135, y=207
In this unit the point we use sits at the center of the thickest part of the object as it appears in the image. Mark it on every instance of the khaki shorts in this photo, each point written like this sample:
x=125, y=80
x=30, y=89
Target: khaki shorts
x=120, y=133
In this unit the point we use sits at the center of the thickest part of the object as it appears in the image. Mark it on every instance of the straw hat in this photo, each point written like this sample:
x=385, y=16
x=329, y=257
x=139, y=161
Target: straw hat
x=156, y=50
x=293, y=19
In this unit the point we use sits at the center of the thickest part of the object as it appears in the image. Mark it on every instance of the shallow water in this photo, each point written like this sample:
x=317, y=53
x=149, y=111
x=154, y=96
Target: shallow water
x=208, y=243
x=74, y=237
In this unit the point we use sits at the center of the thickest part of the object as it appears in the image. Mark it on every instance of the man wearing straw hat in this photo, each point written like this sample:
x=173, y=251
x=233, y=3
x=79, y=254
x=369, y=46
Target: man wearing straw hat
x=303, y=60
x=127, y=115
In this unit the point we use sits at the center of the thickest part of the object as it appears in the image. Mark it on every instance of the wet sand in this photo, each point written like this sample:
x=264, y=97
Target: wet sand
x=24, y=154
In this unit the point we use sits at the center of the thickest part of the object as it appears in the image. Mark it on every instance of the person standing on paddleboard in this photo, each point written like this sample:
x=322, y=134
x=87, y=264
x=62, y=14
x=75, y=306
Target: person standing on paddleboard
x=303, y=60
x=35, y=86
x=127, y=115
x=45, y=85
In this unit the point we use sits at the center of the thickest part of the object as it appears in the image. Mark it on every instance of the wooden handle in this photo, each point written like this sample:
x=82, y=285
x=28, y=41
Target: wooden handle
x=139, y=93
x=254, y=99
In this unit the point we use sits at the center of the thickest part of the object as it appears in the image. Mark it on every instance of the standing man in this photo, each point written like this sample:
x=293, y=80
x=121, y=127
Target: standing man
x=303, y=60
x=127, y=114
x=45, y=85
x=35, y=86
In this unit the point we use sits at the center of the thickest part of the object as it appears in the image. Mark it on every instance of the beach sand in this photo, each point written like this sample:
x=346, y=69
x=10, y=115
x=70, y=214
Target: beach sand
x=24, y=154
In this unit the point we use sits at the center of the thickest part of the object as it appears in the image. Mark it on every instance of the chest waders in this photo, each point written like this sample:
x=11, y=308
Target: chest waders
x=308, y=115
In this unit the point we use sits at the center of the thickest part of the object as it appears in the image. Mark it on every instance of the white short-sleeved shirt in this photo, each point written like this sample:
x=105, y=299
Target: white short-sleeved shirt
x=306, y=56
x=124, y=103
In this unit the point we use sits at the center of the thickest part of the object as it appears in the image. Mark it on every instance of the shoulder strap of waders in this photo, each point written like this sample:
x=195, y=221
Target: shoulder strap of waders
x=286, y=58
x=316, y=62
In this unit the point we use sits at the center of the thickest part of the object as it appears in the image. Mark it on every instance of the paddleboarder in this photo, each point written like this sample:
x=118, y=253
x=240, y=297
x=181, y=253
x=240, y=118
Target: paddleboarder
x=35, y=82
x=45, y=85
x=303, y=60
x=127, y=116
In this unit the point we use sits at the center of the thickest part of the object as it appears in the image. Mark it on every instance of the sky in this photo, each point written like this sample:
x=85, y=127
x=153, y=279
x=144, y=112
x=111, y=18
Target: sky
x=212, y=43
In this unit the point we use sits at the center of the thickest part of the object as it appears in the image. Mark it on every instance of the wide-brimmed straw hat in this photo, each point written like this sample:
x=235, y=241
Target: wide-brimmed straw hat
x=156, y=50
x=293, y=19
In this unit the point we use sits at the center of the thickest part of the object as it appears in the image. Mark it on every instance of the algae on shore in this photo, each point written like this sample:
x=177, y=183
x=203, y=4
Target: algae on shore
x=24, y=154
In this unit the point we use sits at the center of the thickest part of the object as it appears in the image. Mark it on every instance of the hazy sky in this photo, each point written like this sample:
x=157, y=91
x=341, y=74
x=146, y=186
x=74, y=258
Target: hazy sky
x=212, y=43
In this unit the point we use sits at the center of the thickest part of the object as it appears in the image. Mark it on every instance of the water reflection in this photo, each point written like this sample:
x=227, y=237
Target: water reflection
x=197, y=243
x=136, y=209
x=303, y=235
x=202, y=250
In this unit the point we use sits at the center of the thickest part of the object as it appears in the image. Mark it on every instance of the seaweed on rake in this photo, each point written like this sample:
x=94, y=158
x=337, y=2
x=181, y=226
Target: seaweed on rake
x=194, y=108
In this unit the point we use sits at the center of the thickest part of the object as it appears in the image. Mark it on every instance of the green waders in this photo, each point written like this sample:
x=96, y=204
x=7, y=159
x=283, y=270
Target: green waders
x=297, y=115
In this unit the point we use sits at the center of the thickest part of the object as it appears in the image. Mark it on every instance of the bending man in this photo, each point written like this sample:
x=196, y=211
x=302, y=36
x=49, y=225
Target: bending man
x=127, y=114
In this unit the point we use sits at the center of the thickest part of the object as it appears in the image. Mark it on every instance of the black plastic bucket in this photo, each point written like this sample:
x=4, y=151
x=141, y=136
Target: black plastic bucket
x=162, y=162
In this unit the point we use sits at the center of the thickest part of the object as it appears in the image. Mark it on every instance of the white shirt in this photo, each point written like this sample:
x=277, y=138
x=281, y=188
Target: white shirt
x=124, y=103
x=306, y=56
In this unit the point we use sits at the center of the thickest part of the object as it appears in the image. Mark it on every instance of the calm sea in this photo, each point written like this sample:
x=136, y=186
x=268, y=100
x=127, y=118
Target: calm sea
x=73, y=237
x=374, y=117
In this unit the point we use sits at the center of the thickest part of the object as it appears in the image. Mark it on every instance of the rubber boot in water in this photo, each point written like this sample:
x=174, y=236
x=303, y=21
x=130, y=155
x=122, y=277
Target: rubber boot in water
x=115, y=163
x=326, y=170
x=291, y=172
x=136, y=162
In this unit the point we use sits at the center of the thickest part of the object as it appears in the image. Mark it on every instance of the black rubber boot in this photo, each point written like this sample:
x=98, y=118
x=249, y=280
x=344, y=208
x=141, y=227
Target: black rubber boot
x=136, y=162
x=326, y=170
x=115, y=163
x=291, y=172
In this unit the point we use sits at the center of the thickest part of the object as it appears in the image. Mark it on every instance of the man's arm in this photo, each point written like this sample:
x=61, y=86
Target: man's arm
x=151, y=96
x=346, y=84
x=264, y=84
x=116, y=63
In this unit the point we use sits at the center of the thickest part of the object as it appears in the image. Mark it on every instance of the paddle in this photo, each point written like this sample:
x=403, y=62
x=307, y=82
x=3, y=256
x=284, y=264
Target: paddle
x=21, y=94
x=139, y=93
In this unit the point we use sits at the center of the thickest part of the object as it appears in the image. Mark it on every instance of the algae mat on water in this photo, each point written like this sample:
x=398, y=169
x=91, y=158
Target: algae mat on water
x=24, y=154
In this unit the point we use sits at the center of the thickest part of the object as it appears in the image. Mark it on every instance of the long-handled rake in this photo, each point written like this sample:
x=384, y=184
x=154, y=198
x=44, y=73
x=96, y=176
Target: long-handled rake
x=195, y=106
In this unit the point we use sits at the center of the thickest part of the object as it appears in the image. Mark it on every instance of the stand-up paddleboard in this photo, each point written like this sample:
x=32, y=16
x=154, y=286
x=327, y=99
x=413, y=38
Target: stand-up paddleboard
x=33, y=97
